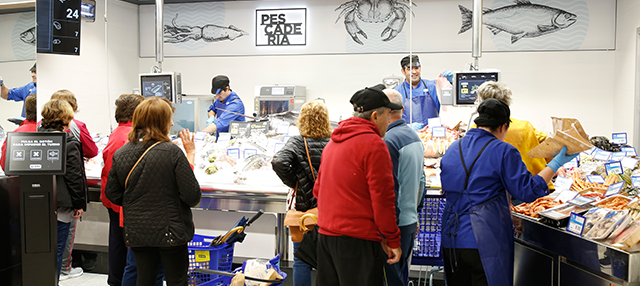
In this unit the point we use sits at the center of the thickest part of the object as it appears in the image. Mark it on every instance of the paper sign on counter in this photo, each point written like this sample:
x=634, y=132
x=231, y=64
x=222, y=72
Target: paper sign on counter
x=433, y=122
x=562, y=183
x=439, y=132
x=635, y=181
x=602, y=155
x=581, y=201
x=618, y=156
x=576, y=224
x=199, y=135
x=574, y=163
x=629, y=163
x=619, y=138
x=613, y=168
x=566, y=196
x=614, y=189
x=249, y=152
x=595, y=179
x=590, y=151
x=234, y=152
x=631, y=151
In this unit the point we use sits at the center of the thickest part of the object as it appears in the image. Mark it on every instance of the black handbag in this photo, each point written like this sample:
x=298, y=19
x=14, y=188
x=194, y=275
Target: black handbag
x=307, y=251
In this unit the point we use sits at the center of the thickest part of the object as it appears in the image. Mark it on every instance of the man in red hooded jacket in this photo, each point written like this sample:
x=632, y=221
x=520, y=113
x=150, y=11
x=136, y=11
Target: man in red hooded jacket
x=356, y=199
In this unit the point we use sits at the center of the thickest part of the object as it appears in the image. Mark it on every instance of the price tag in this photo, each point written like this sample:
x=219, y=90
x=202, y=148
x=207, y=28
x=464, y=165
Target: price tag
x=581, y=201
x=614, y=189
x=575, y=162
x=590, y=151
x=234, y=152
x=618, y=156
x=635, y=181
x=613, y=168
x=249, y=152
x=629, y=163
x=595, y=179
x=202, y=255
x=576, y=224
x=439, y=132
x=619, y=138
x=283, y=128
x=277, y=147
x=199, y=135
x=562, y=183
x=224, y=137
x=566, y=196
x=602, y=155
x=631, y=151
x=433, y=122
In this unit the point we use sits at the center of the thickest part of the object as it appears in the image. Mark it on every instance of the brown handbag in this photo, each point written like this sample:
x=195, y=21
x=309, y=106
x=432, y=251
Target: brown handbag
x=293, y=217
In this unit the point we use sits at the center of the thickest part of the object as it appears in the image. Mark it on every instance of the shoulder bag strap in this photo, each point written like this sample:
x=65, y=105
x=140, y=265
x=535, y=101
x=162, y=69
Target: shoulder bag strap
x=309, y=158
x=136, y=164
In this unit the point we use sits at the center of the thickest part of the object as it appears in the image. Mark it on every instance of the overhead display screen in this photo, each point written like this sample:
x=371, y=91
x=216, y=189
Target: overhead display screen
x=467, y=83
x=58, y=26
x=31, y=153
x=156, y=85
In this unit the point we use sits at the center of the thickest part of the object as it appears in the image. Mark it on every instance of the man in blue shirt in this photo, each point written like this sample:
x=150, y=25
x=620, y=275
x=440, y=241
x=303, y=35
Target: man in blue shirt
x=227, y=107
x=419, y=96
x=19, y=93
x=407, y=155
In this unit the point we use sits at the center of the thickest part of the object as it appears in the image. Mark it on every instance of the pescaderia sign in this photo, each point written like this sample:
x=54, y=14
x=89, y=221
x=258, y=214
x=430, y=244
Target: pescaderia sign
x=281, y=27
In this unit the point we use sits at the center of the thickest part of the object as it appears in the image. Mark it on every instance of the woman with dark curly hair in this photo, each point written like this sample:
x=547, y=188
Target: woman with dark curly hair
x=72, y=186
x=291, y=164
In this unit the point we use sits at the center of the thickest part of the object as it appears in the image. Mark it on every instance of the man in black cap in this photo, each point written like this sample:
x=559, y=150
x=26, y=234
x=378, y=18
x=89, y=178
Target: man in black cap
x=227, y=107
x=356, y=199
x=19, y=93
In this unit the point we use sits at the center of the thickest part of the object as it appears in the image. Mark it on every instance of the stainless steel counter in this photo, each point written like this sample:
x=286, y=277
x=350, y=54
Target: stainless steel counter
x=547, y=255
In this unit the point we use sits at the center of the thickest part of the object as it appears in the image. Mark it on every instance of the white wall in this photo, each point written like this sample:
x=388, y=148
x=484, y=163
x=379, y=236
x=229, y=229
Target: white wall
x=624, y=84
x=14, y=74
x=96, y=84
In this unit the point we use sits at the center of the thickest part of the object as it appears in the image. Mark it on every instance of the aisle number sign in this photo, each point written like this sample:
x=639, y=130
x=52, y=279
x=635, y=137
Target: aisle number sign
x=576, y=224
x=619, y=138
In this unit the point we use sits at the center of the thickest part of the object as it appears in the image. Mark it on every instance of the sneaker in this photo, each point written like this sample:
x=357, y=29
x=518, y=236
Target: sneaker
x=73, y=273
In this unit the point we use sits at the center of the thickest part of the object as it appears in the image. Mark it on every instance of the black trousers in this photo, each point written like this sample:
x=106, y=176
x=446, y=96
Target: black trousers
x=117, y=250
x=175, y=260
x=348, y=261
x=467, y=267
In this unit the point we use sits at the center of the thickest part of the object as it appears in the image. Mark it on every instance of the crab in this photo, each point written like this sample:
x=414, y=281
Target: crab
x=374, y=11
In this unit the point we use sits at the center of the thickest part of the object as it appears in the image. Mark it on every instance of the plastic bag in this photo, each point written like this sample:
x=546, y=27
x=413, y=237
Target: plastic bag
x=567, y=132
x=263, y=269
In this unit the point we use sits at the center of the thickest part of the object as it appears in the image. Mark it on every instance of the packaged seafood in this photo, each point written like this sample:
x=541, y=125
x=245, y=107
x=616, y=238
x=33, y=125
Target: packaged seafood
x=593, y=216
x=559, y=215
x=629, y=237
x=605, y=226
x=621, y=226
x=615, y=202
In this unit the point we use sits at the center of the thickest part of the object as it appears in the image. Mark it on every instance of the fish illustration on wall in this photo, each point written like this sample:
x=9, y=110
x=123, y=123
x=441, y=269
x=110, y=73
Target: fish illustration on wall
x=209, y=33
x=29, y=36
x=508, y=19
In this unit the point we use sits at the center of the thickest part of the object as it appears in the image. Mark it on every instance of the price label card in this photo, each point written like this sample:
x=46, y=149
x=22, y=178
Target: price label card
x=199, y=135
x=574, y=163
x=635, y=181
x=613, y=168
x=576, y=224
x=433, y=122
x=566, y=196
x=277, y=147
x=618, y=156
x=619, y=138
x=249, y=152
x=562, y=183
x=595, y=179
x=283, y=128
x=439, y=132
x=590, y=151
x=234, y=152
x=602, y=155
x=224, y=137
x=581, y=201
x=631, y=151
x=614, y=189
x=629, y=163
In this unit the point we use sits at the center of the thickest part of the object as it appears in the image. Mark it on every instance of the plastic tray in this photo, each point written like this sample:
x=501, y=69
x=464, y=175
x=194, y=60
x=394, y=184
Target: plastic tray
x=201, y=255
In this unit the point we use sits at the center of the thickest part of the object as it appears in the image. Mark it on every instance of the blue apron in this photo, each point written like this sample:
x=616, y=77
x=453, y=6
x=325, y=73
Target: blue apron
x=423, y=106
x=492, y=230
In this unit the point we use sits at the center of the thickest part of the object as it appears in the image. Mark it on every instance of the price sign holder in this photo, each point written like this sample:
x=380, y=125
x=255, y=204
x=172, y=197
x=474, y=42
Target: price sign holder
x=619, y=138
x=439, y=132
x=602, y=155
x=613, y=168
x=595, y=179
x=576, y=224
x=635, y=181
x=614, y=189
x=234, y=152
x=631, y=151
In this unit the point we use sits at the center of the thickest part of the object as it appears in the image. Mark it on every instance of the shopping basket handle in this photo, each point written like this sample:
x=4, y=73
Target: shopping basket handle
x=230, y=274
x=255, y=217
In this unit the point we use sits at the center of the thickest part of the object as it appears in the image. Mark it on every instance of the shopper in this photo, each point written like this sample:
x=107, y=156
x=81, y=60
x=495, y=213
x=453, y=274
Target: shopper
x=407, y=154
x=125, y=105
x=291, y=164
x=227, y=107
x=477, y=172
x=77, y=127
x=19, y=93
x=70, y=187
x=28, y=125
x=355, y=197
x=155, y=193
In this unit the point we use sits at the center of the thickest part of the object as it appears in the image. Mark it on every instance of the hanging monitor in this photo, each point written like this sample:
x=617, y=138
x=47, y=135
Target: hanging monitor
x=465, y=85
x=165, y=84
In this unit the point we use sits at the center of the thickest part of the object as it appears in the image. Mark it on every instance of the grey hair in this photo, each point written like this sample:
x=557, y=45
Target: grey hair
x=395, y=97
x=498, y=90
x=367, y=114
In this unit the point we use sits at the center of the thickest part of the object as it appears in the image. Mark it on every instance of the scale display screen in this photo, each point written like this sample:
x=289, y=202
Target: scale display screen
x=31, y=153
x=466, y=85
x=156, y=85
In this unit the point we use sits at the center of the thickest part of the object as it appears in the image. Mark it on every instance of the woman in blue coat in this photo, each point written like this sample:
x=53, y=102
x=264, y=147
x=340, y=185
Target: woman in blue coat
x=477, y=172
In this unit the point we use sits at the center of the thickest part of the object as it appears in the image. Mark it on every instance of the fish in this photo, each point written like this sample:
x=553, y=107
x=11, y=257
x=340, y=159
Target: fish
x=508, y=18
x=29, y=36
x=255, y=162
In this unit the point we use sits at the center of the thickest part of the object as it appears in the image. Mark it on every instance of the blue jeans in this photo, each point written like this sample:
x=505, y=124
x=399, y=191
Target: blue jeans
x=63, y=232
x=398, y=273
x=301, y=270
x=130, y=276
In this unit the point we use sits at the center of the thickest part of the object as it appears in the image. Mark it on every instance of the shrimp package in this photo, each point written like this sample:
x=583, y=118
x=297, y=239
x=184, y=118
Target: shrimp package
x=567, y=132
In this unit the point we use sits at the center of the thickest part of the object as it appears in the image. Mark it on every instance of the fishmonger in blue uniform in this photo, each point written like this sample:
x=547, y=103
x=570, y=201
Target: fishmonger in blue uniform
x=477, y=172
x=227, y=107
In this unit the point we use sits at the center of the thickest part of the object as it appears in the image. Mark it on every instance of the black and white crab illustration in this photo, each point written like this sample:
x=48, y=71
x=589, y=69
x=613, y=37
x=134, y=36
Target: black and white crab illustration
x=374, y=11
x=209, y=33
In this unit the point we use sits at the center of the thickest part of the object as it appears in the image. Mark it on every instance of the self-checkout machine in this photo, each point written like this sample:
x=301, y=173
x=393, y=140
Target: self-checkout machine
x=37, y=157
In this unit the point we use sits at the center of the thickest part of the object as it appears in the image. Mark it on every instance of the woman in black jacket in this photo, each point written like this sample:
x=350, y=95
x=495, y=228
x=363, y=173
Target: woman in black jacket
x=156, y=193
x=72, y=186
x=292, y=166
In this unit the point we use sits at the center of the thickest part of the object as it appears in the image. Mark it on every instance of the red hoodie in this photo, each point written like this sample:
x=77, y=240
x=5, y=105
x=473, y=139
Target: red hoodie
x=355, y=185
